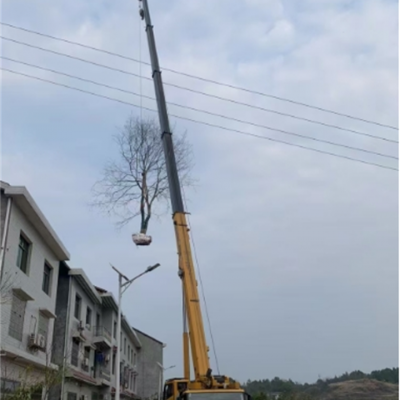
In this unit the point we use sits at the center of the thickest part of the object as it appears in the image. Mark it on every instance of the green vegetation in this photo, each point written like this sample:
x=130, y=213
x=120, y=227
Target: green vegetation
x=288, y=390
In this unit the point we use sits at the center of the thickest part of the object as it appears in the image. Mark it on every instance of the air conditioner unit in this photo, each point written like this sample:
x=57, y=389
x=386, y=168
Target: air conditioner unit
x=37, y=341
x=85, y=362
x=81, y=326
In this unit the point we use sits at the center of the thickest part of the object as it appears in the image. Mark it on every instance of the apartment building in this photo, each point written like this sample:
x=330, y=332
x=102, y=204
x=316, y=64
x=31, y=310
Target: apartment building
x=130, y=346
x=53, y=317
x=150, y=358
x=29, y=260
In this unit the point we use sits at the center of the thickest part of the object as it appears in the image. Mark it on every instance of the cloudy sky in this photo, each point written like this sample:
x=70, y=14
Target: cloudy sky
x=297, y=250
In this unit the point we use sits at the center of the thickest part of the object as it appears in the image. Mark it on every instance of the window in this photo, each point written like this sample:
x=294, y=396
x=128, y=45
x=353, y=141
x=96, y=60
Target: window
x=95, y=396
x=23, y=253
x=72, y=396
x=46, y=278
x=75, y=352
x=77, y=311
x=124, y=345
x=8, y=385
x=97, y=320
x=88, y=317
x=129, y=353
x=120, y=342
x=113, y=364
x=17, y=318
x=134, y=359
x=134, y=383
x=132, y=356
x=115, y=330
x=43, y=325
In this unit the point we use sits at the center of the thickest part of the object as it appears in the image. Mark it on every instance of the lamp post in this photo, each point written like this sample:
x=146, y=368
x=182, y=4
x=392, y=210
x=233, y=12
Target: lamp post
x=122, y=287
x=162, y=369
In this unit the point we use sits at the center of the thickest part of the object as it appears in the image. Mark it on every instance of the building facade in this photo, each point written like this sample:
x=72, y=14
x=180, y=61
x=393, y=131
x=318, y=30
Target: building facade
x=30, y=256
x=54, y=318
x=149, y=370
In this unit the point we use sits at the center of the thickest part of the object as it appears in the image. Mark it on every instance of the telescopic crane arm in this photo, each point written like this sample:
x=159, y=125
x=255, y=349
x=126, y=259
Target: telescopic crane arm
x=203, y=379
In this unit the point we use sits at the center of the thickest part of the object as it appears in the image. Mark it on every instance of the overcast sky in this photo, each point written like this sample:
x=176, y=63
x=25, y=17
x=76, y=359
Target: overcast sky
x=298, y=250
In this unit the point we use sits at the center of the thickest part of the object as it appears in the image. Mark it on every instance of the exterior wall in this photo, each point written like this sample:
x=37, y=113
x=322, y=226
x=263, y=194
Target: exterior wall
x=3, y=211
x=31, y=283
x=11, y=371
x=150, y=354
x=78, y=376
x=60, y=325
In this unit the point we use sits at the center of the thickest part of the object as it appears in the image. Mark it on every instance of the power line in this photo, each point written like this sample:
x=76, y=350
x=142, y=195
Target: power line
x=202, y=122
x=194, y=90
x=322, y=109
x=201, y=110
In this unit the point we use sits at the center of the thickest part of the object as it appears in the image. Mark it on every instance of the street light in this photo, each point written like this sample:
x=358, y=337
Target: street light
x=162, y=369
x=122, y=287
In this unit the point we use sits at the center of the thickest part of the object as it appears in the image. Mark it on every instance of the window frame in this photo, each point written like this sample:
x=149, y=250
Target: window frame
x=88, y=321
x=26, y=261
x=50, y=275
x=75, y=345
x=78, y=302
x=18, y=310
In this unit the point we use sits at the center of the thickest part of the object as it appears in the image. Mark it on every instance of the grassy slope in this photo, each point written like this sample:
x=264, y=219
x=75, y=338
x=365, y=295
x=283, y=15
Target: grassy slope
x=365, y=389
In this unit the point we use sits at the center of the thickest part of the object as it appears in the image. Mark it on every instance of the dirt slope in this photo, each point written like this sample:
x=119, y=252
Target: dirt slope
x=365, y=389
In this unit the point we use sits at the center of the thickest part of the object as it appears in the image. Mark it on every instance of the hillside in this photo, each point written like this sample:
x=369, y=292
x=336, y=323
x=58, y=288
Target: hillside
x=364, y=389
x=378, y=385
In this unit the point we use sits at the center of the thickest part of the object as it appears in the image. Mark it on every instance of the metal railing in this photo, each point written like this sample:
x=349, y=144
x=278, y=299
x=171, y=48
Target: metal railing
x=102, y=331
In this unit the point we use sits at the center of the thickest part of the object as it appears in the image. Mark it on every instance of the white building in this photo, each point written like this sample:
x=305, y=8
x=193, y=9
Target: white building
x=54, y=319
x=29, y=261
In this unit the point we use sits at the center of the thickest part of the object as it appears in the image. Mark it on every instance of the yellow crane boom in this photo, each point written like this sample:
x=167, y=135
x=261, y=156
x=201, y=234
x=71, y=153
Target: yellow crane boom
x=205, y=385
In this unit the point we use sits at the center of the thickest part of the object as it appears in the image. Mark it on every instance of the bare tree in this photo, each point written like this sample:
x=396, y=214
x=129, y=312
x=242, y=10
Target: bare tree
x=137, y=182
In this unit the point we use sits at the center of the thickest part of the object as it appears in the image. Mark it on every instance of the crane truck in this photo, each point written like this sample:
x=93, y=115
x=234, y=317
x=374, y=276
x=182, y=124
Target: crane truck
x=204, y=385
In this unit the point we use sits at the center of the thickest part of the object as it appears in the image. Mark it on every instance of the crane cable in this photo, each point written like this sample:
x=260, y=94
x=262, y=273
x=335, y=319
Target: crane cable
x=201, y=284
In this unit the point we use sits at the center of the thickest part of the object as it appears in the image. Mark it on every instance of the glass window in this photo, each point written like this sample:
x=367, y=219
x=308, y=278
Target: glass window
x=23, y=252
x=88, y=317
x=46, y=278
x=17, y=317
x=75, y=352
x=43, y=325
x=77, y=311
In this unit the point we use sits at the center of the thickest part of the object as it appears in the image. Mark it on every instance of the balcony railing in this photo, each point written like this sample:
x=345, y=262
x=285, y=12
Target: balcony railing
x=102, y=331
x=104, y=373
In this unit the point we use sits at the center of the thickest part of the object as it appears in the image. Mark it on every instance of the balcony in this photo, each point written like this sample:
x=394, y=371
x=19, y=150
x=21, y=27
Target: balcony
x=103, y=375
x=102, y=337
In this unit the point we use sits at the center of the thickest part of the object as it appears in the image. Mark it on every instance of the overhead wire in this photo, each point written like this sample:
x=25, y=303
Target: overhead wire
x=190, y=89
x=322, y=109
x=203, y=122
x=141, y=96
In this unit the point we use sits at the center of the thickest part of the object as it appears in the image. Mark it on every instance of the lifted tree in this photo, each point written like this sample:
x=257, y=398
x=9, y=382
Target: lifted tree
x=138, y=181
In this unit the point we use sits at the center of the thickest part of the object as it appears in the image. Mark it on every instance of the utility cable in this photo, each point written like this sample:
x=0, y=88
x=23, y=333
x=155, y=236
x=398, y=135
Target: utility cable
x=202, y=122
x=322, y=109
x=201, y=110
x=193, y=90
x=201, y=284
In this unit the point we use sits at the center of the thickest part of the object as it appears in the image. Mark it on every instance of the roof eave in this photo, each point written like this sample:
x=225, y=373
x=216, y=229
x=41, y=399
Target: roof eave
x=25, y=202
